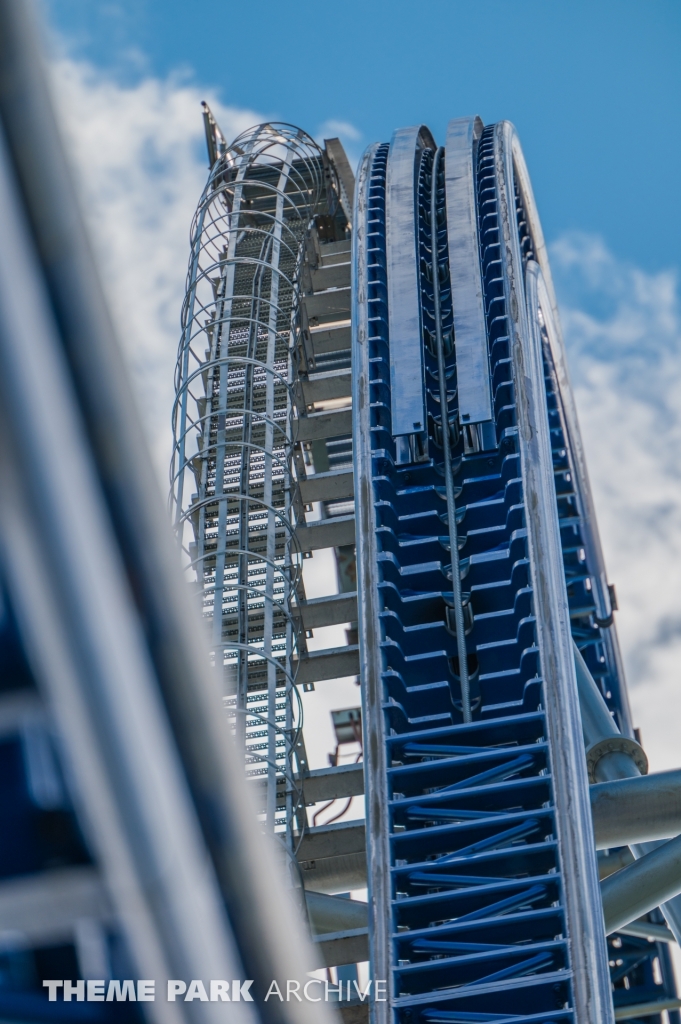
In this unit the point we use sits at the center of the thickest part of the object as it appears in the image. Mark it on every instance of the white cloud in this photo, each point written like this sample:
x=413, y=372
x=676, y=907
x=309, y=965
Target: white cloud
x=139, y=152
x=623, y=334
x=332, y=129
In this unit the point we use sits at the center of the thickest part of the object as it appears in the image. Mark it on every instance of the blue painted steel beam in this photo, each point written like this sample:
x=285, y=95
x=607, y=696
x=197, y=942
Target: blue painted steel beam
x=488, y=880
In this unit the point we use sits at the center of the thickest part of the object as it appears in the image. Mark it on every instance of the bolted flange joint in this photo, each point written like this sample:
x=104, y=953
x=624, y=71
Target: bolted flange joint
x=615, y=745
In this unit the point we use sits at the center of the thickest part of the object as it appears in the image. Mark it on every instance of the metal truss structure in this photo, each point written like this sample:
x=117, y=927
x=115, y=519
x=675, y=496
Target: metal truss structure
x=480, y=598
x=482, y=857
x=372, y=368
x=234, y=436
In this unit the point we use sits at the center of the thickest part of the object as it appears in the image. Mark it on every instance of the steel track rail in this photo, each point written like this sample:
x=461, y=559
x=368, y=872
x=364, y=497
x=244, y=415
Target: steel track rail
x=493, y=905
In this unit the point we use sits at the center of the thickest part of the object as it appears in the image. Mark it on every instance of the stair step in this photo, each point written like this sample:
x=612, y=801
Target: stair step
x=335, y=532
x=334, y=304
x=326, y=386
x=45, y=907
x=332, y=275
x=334, y=783
x=331, y=338
x=337, y=948
x=334, y=663
x=320, y=425
x=328, y=611
x=328, y=486
x=335, y=840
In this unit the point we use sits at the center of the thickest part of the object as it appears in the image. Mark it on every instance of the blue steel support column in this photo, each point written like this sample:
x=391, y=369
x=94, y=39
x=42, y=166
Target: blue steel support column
x=366, y=290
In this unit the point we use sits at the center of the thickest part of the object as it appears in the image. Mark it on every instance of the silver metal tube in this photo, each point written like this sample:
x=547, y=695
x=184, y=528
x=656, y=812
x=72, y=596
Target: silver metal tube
x=637, y=809
x=373, y=723
x=447, y=450
x=335, y=913
x=597, y=722
x=637, y=1010
x=79, y=624
x=643, y=929
x=609, y=755
x=250, y=883
x=588, y=952
x=614, y=860
x=615, y=757
x=644, y=885
x=671, y=909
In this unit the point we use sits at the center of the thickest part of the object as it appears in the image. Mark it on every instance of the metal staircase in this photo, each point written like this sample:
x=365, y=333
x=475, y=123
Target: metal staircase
x=262, y=474
x=481, y=859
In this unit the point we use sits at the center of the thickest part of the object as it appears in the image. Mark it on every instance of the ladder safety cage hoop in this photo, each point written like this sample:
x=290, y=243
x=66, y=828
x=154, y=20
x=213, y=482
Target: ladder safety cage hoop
x=234, y=490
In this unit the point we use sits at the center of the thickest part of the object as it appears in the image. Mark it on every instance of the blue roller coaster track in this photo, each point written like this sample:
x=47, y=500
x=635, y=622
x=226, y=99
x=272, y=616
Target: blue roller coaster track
x=371, y=367
x=483, y=876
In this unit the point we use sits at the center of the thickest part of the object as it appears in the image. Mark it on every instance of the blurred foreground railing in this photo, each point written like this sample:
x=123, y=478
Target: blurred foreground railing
x=95, y=580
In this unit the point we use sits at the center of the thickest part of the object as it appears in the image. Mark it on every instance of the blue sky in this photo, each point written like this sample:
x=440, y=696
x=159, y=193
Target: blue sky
x=593, y=87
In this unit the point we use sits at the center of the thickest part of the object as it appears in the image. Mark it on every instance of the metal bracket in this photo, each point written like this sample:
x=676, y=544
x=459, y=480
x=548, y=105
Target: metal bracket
x=407, y=383
x=470, y=331
x=615, y=745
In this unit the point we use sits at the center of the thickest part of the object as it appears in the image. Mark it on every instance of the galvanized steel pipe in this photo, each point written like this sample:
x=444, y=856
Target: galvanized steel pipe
x=636, y=810
x=609, y=754
x=642, y=886
x=610, y=762
x=137, y=543
x=335, y=913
